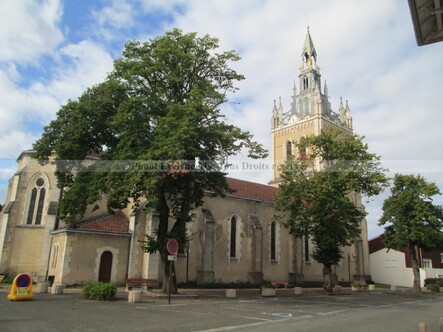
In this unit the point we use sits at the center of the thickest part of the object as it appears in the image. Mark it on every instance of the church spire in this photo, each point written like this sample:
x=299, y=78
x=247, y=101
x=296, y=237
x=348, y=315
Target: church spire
x=308, y=51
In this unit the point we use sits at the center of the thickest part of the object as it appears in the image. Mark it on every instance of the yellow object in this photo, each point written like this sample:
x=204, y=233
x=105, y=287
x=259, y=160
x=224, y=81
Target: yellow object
x=21, y=288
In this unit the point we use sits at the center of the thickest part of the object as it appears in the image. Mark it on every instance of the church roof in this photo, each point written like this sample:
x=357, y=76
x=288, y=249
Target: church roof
x=117, y=222
x=251, y=190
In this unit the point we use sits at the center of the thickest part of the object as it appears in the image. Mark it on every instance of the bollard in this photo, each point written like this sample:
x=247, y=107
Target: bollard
x=421, y=327
x=57, y=289
x=393, y=287
x=298, y=290
x=135, y=296
x=42, y=287
x=231, y=293
x=371, y=287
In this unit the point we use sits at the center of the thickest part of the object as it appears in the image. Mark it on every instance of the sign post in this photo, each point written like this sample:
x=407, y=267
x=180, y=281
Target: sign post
x=172, y=247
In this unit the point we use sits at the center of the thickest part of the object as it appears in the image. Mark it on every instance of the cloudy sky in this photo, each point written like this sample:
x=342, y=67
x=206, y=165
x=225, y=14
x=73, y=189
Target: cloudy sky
x=51, y=50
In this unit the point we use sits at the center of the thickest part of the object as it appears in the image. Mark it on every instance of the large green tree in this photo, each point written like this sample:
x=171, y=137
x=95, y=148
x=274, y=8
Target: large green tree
x=154, y=116
x=318, y=193
x=411, y=219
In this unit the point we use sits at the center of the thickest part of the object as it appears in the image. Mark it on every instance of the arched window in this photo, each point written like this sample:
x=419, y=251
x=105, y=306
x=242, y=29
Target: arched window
x=235, y=227
x=36, y=202
x=301, y=149
x=233, y=238
x=306, y=249
x=305, y=83
x=301, y=108
x=288, y=149
x=273, y=234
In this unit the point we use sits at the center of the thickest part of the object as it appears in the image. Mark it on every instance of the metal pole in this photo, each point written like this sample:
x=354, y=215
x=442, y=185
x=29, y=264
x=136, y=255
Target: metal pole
x=170, y=282
x=349, y=268
x=187, y=262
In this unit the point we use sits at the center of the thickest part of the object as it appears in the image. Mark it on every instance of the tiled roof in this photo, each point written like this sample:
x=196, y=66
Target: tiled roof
x=252, y=190
x=117, y=222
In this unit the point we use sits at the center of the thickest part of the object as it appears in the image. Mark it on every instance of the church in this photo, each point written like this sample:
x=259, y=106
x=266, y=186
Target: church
x=234, y=239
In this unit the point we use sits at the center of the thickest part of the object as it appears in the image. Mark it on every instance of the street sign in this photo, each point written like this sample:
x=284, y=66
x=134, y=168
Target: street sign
x=172, y=258
x=172, y=247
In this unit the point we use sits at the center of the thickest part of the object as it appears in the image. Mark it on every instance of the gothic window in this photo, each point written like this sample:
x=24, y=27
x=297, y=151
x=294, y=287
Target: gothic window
x=306, y=249
x=301, y=150
x=288, y=149
x=273, y=234
x=305, y=83
x=234, y=238
x=36, y=202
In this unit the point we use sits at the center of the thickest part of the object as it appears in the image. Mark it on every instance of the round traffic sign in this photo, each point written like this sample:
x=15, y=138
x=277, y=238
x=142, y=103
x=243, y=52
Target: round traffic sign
x=172, y=246
x=23, y=280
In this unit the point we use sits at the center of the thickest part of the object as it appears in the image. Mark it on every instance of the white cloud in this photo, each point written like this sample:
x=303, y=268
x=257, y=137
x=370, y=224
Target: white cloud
x=367, y=53
x=118, y=15
x=29, y=29
x=81, y=65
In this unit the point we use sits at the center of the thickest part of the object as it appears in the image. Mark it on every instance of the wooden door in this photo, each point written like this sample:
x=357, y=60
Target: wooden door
x=104, y=274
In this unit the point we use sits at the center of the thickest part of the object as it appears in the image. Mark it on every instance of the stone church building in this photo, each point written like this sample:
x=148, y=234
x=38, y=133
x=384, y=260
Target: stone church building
x=234, y=239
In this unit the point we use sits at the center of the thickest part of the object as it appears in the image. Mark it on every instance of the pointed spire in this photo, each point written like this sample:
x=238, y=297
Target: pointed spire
x=294, y=89
x=348, y=115
x=326, y=89
x=274, y=109
x=308, y=51
x=280, y=106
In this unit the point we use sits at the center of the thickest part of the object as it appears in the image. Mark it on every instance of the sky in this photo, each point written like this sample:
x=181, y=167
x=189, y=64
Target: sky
x=52, y=50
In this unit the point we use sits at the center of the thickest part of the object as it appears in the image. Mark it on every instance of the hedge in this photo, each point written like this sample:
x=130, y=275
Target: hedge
x=99, y=291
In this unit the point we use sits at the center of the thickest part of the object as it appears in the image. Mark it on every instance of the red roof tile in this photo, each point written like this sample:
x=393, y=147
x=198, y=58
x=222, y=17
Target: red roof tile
x=252, y=190
x=111, y=223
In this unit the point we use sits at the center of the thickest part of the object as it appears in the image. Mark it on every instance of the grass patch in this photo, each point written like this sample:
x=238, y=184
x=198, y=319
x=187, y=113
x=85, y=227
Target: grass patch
x=383, y=286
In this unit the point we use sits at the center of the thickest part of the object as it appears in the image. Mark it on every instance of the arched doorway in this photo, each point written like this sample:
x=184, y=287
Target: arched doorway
x=104, y=274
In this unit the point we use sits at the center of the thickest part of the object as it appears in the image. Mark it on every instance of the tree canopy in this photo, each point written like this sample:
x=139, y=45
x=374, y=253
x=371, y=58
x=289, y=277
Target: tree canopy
x=411, y=219
x=320, y=193
x=157, y=113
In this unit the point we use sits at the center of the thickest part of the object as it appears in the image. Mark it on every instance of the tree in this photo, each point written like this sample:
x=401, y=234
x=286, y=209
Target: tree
x=154, y=116
x=411, y=219
x=319, y=202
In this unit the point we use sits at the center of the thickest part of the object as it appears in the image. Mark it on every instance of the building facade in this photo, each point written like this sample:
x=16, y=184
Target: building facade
x=234, y=239
x=394, y=267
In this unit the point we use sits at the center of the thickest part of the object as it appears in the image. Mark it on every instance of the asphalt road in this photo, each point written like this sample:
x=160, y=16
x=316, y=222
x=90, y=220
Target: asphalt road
x=210, y=311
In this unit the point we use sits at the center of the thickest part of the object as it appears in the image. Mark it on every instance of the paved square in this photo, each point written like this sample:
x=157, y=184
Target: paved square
x=211, y=311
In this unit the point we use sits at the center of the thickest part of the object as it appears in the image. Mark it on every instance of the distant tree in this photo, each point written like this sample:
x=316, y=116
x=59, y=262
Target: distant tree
x=319, y=201
x=411, y=219
x=155, y=115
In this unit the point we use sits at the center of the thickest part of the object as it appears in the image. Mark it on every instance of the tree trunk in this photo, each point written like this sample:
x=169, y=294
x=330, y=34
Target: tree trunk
x=327, y=278
x=415, y=268
x=169, y=278
x=163, y=212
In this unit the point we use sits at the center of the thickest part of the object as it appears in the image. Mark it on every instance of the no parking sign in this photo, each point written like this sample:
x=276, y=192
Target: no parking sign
x=21, y=288
x=172, y=247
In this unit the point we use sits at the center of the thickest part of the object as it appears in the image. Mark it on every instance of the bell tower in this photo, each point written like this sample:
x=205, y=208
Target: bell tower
x=309, y=114
x=310, y=111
